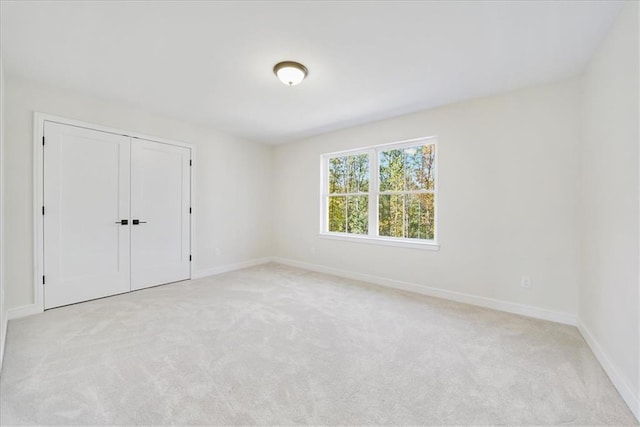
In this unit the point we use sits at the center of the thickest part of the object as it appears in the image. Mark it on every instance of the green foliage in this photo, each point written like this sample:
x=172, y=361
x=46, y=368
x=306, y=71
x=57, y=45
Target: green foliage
x=338, y=214
x=358, y=214
x=349, y=174
x=419, y=220
x=349, y=214
x=407, y=169
x=390, y=213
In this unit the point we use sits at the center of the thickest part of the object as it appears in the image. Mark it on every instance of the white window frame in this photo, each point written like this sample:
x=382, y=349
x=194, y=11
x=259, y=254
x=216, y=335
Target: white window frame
x=372, y=237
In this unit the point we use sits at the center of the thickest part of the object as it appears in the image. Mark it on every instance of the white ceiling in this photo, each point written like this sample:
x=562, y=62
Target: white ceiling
x=211, y=62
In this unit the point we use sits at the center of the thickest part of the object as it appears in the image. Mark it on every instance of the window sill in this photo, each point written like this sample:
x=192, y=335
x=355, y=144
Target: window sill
x=403, y=243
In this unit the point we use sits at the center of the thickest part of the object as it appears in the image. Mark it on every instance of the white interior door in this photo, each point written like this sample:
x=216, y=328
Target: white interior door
x=160, y=206
x=86, y=194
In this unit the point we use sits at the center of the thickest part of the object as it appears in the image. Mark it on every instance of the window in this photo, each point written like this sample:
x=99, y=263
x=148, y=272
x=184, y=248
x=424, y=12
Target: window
x=386, y=193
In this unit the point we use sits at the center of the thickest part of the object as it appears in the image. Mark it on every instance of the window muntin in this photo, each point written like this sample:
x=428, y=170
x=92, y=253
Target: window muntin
x=384, y=192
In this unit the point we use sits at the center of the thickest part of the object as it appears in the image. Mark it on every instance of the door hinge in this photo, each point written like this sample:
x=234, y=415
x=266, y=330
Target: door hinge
x=189, y=209
x=43, y=280
x=190, y=162
x=43, y=140
x=189, y=258
x=43, y=210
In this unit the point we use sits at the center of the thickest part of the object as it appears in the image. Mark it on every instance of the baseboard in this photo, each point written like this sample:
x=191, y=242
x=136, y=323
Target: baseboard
x=510, y=307
x=631, y=399
x=229, y=267
x=3, y=324
x=24, y=311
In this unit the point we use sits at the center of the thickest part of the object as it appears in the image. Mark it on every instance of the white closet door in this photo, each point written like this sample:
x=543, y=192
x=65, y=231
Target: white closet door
x=160, y=201
x=86, y=194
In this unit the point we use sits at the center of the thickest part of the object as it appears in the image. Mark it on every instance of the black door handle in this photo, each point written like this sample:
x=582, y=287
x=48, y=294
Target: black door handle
x=123, y=222
x=137, y=221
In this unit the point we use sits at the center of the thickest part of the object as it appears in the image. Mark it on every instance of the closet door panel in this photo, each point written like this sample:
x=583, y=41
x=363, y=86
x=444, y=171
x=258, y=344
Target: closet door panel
x=86, y=194
x=160, y=185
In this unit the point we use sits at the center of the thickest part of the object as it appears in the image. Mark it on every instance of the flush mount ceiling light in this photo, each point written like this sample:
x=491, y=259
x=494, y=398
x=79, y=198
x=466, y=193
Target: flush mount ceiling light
x=290, y=73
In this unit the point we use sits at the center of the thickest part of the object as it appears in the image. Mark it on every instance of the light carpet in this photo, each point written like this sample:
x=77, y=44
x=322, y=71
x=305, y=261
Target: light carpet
x=278, y=345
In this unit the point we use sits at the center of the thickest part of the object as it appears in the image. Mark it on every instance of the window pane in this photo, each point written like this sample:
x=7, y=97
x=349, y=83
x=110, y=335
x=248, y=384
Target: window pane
x=349, y=174
x=337, y=175
x=358, y=214
x=390, y=222
x=419, y=216
x=411, y=168
x=407, y=215
x=420, y=167
x=391, y=170
x=349, y=214
x=337, y=213
x=358, y=173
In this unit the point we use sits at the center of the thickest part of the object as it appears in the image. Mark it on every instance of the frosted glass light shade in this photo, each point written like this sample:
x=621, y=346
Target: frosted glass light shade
x=290, y=73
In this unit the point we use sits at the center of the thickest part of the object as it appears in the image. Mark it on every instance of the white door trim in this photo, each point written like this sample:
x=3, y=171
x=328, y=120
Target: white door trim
x=38, y=195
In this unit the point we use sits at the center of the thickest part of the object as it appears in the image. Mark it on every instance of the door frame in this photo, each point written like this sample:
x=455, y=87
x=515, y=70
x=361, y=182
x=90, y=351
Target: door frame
x=39, y=120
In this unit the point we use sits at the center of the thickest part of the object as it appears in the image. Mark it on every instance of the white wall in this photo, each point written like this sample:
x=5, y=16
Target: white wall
x=508, y=184
x=609, y=291
x=3, y=301
x=232, y=180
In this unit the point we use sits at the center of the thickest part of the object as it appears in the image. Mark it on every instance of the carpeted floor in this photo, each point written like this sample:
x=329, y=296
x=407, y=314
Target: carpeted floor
x=277, y=345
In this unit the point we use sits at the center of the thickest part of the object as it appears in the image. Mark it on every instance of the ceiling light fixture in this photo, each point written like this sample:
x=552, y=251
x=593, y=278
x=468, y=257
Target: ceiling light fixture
x=290, y=73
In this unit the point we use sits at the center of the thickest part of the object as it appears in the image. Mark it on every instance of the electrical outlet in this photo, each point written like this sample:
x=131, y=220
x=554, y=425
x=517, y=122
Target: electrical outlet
x=526, y=282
